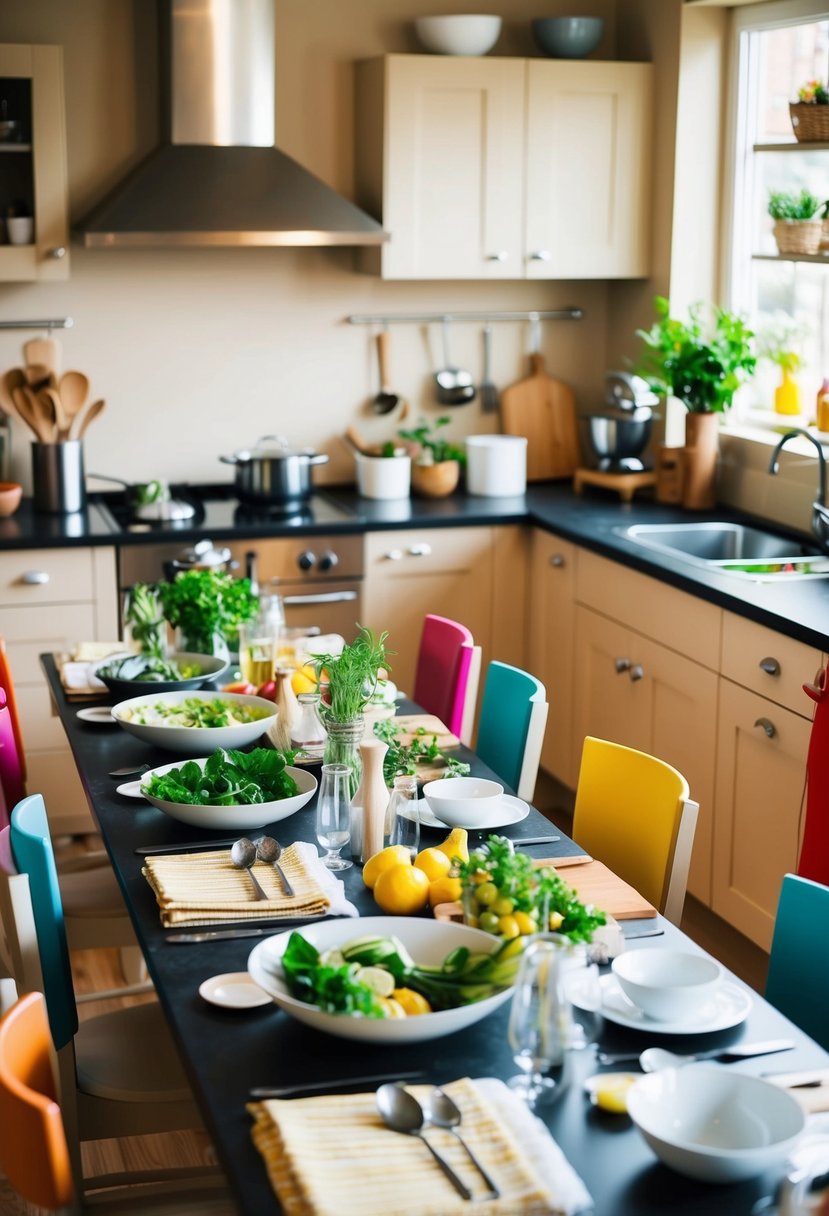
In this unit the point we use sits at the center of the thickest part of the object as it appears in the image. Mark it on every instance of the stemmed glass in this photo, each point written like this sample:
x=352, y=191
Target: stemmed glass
x=333, y=814
x=540, y=1021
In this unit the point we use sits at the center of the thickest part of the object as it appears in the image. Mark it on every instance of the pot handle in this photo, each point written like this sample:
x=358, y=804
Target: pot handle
x=228, y=460
x=281, y=441
x=320, y=458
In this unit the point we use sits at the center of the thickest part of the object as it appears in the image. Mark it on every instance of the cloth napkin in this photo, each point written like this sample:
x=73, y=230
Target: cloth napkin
x=200, y=888
x=334, y=1156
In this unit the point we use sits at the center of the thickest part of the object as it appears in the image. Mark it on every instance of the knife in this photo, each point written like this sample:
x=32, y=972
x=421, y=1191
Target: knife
x=185, y=846
x=221, y=935
x=288, y=1091
x=519, y=844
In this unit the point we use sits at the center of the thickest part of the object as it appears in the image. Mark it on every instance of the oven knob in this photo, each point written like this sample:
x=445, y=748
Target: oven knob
x=306, y=560
x=328, y=560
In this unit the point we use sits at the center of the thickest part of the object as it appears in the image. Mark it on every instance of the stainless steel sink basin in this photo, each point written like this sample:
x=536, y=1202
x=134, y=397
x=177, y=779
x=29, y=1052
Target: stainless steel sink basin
x=732, y=548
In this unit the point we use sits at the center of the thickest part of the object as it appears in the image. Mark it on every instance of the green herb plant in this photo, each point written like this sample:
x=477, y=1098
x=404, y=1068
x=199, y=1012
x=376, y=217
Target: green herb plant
x=702, y=362
x=779, y=341
x=229, y=778
x=434, y=448
x=788, y=205
x=402, y=759
x=204, y=603
x=814, y=92
x=144, y=616
x=352, y=676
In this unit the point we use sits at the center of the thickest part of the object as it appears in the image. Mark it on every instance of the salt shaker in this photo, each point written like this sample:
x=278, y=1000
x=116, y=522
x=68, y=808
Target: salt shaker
x=368, y=806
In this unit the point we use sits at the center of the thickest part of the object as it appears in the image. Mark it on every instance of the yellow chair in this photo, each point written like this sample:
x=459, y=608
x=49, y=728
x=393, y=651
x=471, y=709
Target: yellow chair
x=633, y=813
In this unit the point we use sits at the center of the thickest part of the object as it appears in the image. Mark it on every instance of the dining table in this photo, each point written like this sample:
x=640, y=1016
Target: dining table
x=228, y=1052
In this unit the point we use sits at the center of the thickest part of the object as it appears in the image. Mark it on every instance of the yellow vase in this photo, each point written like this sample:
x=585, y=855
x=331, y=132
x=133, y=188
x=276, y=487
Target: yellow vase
x=787, y=398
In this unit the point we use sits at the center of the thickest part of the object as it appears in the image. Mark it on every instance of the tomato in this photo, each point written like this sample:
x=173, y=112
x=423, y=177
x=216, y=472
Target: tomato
x=240, y=686
x=267, y=690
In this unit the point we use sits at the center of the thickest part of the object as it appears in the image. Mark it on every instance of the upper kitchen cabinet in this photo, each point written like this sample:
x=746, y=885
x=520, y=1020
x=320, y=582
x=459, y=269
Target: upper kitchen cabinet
x=505, y=168
x=33, y=162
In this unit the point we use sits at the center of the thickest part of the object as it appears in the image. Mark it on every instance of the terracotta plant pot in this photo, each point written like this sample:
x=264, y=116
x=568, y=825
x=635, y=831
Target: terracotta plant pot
x=699, y=459
x=435, y=480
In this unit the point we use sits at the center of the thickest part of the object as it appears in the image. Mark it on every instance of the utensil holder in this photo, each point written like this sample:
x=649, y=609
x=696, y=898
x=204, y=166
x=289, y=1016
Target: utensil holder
x=58, y=477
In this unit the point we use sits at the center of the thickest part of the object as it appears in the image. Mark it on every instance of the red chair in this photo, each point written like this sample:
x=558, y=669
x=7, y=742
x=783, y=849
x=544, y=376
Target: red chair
x=12, y=788
x=447, y=674
x=814, y=852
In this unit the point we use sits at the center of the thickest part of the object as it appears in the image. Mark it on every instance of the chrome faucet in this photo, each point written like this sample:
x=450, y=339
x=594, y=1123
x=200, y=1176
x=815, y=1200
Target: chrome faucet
x=820, y=510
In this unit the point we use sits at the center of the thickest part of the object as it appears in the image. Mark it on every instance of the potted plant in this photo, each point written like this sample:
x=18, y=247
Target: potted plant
x=778, y=344
x=797, y=225
x=437, y=461
x=207, y=607
x=810, y=113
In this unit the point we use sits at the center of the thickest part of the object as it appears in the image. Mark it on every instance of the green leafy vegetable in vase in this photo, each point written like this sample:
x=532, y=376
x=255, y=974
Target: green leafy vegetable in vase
x=204, y=603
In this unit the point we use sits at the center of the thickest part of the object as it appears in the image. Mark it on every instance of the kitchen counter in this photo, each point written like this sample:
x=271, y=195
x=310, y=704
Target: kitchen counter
x=798, y=608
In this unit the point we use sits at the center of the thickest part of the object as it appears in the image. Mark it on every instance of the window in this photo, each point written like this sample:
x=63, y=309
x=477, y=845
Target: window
x=777, y=47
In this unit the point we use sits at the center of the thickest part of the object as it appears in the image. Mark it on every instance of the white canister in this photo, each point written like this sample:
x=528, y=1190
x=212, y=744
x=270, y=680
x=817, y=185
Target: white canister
x=496, y=465
x=383, y=476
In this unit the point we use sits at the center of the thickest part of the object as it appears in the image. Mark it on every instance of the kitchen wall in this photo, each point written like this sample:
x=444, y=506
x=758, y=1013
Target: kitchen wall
x=198, y=352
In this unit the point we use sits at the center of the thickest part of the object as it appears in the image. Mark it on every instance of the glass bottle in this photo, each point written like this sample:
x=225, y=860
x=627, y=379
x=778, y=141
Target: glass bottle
x=402, y=816
x=287, y=709
x=308, y=731
x=342, y=746
x=368, y=806
x=822, y=409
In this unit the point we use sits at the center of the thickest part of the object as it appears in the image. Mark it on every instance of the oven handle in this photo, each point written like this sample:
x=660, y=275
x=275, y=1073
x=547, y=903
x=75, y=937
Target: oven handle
x=326, y=597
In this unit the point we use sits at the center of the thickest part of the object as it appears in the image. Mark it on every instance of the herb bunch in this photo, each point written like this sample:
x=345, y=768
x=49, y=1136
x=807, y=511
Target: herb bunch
x=433, y=447
x=402, y=759
x=143, y=613
x=352, y=675
x=203, y=603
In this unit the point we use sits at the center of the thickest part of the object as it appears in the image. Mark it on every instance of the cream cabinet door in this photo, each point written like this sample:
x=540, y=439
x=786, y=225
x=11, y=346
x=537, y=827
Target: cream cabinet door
x=33, y=170
x=611, y=702
x=588, y=183
x=448, y=571
x=453, y=164
x=552, y=634
x=761, y=765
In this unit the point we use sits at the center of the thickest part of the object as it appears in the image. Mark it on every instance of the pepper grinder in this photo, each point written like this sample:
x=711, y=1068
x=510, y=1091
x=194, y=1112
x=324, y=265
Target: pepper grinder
x=368, y=806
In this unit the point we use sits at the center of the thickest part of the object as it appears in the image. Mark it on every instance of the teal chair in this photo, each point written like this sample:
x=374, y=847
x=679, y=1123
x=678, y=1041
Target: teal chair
x=798, y=978
x=511, y=728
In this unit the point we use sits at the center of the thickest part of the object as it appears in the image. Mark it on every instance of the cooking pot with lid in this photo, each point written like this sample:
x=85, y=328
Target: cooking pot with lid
x=273, y=471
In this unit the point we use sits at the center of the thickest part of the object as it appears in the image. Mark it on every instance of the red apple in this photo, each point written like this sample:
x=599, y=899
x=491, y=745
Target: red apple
x=267, y=690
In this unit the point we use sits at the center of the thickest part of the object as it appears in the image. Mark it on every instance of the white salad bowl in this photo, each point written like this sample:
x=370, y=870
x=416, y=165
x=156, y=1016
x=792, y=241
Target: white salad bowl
x=667, y=985
x=244, y=817
x=427, y=941
x=464, y=802
x=458, y=33
x=707, y=1122
x=195, y=740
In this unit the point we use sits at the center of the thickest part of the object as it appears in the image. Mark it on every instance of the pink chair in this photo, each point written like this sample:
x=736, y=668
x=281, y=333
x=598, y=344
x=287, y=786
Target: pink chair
x=12, y=789
x=447, y=675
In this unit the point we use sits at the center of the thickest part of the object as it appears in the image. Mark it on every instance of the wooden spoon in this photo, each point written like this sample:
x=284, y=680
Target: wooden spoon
x=360, y=444
x=74, y=391
x=50, y=397
x=31, y=412
x=92, y=411
x=38, y=376
x=14, y=378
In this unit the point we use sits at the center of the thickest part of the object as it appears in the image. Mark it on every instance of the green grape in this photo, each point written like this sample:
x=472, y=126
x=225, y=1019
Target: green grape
x=486, y=893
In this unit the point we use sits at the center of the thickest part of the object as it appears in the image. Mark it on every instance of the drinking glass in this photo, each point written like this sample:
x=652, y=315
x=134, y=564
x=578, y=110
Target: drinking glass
x=402, y=817
x=540, y=1021
x=333, y=814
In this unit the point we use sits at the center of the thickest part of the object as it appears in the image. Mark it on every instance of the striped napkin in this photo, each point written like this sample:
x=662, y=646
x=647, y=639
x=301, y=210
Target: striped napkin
x=201, y=888
x=334, y=1156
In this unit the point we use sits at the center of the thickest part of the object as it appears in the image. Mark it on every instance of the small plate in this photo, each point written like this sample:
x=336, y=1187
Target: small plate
x=510, y=810
x=98, y=715
x=234, y=990
x=130, y=789
x=728, y=1007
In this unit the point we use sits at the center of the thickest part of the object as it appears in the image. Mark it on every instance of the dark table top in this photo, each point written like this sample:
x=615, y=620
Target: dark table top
x=227, y=1052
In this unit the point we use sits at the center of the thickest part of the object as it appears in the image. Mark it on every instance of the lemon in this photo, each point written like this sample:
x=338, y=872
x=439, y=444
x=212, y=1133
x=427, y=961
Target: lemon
x=556, y=920
x=380, y=981
x=411, y=1002
x=433, y=863
x=304, y=679
x=402, y=890
x=394, y=855
x=445, y=890
x=525, y=922
x=610, y=1091
x=455, y=844
x=391, y=1008
x=508, y=926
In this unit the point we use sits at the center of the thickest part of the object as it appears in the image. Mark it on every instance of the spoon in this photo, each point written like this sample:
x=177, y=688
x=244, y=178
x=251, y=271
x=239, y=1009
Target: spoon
x=454, y=387
x=270, y=851
x=442, y=1112
x=654, y=1059
x=386, y=400
x=129, y=772
x=402, y=1112
x=74, y=391
x=91, y=412
x=243, y=855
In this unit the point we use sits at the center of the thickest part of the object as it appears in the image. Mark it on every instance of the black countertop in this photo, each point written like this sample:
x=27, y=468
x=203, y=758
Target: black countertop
x=798, y=608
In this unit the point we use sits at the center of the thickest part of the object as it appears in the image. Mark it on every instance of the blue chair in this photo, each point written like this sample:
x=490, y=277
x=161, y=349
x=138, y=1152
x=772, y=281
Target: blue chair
x=511, y=728
x=798, y=977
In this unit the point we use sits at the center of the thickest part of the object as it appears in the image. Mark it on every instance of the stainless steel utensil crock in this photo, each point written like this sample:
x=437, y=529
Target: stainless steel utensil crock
x=273, y=471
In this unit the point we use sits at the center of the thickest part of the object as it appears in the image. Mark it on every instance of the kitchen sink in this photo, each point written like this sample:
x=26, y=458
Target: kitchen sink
x=732, y=548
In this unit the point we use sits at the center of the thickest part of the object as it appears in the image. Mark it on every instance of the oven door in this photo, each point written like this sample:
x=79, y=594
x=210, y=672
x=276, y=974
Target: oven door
x=334, y=608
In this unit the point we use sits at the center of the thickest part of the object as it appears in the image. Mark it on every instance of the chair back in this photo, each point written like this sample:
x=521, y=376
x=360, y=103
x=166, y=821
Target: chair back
x=31, y=847
x=7, y=683
x=446, y=678
x=12, y=788
x=511, y=728
x=34, y=1154
x=798, y=976
x=633, y=812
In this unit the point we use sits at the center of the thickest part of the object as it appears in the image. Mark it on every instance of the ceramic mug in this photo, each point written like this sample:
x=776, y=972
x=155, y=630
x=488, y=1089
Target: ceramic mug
x=20, y=229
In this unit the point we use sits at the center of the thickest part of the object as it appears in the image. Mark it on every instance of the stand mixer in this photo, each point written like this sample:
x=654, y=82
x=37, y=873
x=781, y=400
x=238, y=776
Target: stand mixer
x=620, y=435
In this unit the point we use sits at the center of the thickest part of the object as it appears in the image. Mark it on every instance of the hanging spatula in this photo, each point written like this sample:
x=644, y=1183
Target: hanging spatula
x=47, y=351
x=487, y=390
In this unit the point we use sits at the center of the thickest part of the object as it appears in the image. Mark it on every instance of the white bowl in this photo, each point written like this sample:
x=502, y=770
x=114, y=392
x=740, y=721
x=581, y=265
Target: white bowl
x=458, y=34
x=196, y=740
x=463, y=802
x=667, y=984
x=244, y=817
x=428, y=942
x=714, y=1124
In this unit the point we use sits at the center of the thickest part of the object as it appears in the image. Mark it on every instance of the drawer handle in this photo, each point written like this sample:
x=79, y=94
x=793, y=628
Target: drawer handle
x=637, y=672
x=622, y=665
x=501, y=256
x=557, y=560
x=35, y=578
x=767, y=726
x=422, y=550
x=393, y=555
x=770, y=666
x=540, y=255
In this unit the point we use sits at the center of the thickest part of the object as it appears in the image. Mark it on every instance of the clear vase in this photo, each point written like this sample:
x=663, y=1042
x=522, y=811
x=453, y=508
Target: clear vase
x=342, y=746
x=213, y=644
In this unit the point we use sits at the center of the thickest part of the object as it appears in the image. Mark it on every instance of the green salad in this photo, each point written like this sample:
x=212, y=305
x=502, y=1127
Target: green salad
x=228, y=778
x=195, y=711
x=147, y=668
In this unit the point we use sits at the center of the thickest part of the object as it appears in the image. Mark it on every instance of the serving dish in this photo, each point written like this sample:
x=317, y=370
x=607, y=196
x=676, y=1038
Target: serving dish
x=568, y=37
x=729, y=1006
x=245, y=817
x=195, y=740
x=668, y=984
x=428, y=942
x=210, y=668
x=458, y=33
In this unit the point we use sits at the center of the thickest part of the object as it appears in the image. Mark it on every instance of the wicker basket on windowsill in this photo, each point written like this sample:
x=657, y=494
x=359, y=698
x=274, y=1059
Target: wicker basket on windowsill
x=798, y=236
x=810, y=122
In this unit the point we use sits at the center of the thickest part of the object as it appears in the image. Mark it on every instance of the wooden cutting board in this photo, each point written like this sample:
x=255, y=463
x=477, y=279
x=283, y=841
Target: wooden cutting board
x=409, y=724
x=596, y=884
x=543, y=410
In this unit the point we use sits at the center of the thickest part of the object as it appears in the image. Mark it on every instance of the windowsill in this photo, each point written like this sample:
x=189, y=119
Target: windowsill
x=766, y=430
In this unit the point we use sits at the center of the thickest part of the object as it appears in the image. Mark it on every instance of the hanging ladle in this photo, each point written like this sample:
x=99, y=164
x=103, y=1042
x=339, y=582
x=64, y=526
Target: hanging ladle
x=454, y=386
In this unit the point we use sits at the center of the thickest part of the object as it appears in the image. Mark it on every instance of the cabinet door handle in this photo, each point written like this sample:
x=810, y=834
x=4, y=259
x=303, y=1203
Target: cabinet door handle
x=500, y=256
x=393, y=555
x=421, y=550
x=770, y=666
x=622, y=665
x=767, y=726
x=637, y=672
x=557, y=560
x=35, y=578
x=540, y=255
x=59, y=251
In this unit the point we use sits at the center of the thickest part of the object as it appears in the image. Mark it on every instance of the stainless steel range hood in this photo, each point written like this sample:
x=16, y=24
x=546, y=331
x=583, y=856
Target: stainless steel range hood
x=218, y=180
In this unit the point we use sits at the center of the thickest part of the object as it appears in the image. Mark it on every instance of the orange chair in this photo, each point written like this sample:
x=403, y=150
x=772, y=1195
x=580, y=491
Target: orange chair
x=34, y=1151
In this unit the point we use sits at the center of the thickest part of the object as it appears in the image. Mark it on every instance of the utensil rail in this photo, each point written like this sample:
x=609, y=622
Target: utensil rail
x=429, y=318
